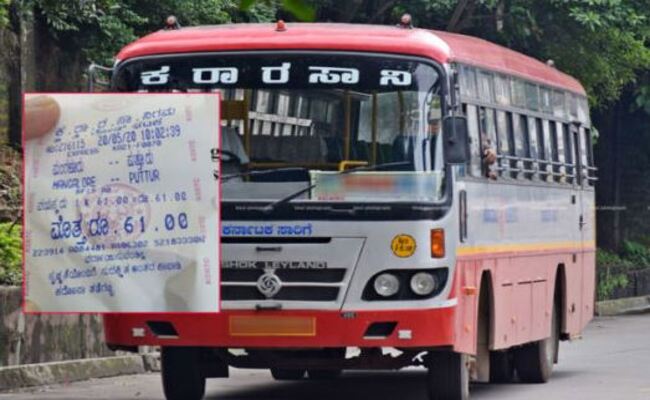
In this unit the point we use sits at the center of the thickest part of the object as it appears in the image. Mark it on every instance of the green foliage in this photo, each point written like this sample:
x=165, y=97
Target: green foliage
x=633, y=255
x=642, y=97
x=612, y=267
x=600, y=42
x=608, y=259
x=608, y=282
x=11, y=254
x=299, y=9
x=4, y=13
x=637, y=254
x=100, y=28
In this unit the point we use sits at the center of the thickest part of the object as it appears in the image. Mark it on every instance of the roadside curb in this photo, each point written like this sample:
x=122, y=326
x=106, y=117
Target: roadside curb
x=628, y=305
x=62, y=372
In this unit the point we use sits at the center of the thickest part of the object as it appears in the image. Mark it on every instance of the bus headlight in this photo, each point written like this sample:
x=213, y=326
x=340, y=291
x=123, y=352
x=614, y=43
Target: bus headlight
x=386, y=285
x=424, y=283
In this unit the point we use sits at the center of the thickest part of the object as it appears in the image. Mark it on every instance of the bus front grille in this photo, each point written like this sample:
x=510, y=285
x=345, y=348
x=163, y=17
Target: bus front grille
x=292, y=293
x=297, y=284
x=287, y=274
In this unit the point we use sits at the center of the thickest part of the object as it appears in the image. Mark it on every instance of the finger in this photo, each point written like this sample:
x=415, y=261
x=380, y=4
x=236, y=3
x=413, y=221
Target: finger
x=41, y=116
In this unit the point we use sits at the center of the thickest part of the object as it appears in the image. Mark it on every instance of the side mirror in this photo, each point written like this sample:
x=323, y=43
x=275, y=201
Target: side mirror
x=455, y=139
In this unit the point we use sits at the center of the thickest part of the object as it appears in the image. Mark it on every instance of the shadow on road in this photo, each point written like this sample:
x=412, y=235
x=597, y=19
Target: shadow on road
x=356, y=386
x=352, y=385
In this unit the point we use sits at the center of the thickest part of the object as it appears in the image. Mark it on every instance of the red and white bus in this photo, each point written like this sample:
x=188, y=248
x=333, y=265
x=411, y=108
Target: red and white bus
x=383, y=187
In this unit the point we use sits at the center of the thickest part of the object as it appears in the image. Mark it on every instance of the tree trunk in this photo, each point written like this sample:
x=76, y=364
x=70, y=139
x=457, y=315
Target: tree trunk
x=12, y=63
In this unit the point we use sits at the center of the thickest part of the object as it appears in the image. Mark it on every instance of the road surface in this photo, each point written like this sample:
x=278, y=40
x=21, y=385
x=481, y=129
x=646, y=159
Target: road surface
x=611, y=362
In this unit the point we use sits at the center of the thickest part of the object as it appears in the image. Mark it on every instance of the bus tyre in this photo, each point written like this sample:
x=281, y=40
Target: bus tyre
x=323, y=374
x=502, y=367
x=534, y=361
x=448, y=376
x=284, y=374
x=181, y=373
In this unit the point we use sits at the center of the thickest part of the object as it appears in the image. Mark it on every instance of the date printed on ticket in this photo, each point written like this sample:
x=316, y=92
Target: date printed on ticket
x=121, y=202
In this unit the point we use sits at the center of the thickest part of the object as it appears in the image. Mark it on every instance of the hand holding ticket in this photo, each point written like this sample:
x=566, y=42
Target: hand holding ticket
x=121, y=203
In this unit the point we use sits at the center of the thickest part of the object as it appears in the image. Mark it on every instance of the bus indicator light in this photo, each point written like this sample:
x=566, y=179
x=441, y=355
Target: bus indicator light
x=403, y=245
x=437, y=243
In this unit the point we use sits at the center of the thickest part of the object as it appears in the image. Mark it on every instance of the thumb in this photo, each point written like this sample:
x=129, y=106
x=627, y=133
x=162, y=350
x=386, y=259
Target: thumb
x=41, y=114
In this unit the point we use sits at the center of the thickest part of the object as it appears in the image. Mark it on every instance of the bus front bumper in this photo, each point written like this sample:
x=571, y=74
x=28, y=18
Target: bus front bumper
x=284, y=329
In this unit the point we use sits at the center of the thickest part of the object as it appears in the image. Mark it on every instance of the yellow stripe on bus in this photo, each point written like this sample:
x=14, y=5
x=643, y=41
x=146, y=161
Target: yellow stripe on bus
x=523, y=247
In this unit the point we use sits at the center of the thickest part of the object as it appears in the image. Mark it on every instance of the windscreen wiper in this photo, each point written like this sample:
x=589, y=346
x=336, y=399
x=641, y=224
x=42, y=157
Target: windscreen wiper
x=273, y=205
x=259, y=172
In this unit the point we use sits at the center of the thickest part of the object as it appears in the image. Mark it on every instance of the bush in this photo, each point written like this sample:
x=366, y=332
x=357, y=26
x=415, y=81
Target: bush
x=11, y=254
x=636, y=253
x=608, y=259
x=611, y=273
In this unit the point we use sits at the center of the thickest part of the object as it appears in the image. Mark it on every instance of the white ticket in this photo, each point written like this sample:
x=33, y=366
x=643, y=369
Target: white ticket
x=121, y=205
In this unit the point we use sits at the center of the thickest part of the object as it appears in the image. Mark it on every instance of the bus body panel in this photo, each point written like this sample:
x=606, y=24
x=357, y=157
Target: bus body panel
x=524, y=236
x=427, y=328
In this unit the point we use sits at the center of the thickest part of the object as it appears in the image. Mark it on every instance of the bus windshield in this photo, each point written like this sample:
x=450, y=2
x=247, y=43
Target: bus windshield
x=291, y=120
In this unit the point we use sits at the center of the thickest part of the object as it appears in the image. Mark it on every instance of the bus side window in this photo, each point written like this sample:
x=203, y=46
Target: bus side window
x=486, y=86
x=534, y=146
x=522, y=144
x=588, y=153
x=532, y=96
x=488, y=133
x=468, y=87
x=556, y=151
x=512, y=132
x=548, y=148
x=503, y=150
x=502, y=89
x=568, y=154
x=476, y=163
x=559, y=104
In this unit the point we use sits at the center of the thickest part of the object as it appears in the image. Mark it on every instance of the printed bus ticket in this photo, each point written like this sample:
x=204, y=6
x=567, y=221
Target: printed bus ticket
x=121, y=205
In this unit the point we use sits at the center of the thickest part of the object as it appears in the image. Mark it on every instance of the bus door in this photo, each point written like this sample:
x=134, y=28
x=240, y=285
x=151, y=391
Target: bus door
x=586, y=220
x=574, y=147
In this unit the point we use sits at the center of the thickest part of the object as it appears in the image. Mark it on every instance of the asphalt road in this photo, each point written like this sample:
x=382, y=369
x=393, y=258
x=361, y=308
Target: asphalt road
x=612, y=361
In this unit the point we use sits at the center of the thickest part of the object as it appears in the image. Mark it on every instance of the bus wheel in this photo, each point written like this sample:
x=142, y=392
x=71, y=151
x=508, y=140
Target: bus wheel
x=323, y=374
x=181, y=373
x=534, y=361
x=448, y=376
x=284, y=374
x=502, y=367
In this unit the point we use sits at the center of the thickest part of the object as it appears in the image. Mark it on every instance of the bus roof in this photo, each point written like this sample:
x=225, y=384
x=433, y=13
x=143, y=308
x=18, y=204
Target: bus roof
x=441, y=46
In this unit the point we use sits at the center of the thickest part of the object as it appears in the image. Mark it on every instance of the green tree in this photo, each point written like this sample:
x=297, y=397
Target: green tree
x=101, y=27
x=4, y=13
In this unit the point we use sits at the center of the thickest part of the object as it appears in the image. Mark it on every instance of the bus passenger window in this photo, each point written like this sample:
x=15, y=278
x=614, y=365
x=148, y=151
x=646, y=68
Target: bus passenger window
x=532, y=97
x=588, y=152
x=559, y=104
x=502, y=89
x=568, y=153
x=548, y=149
x=545, y=100
x=555, y=151
x=512, y=132
x=522, y=144
x=534, y=147
x=488, y=134
x=468, y=82
x=502, y=142
x=476, y=163
x=518, y=92
x=486, y=86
